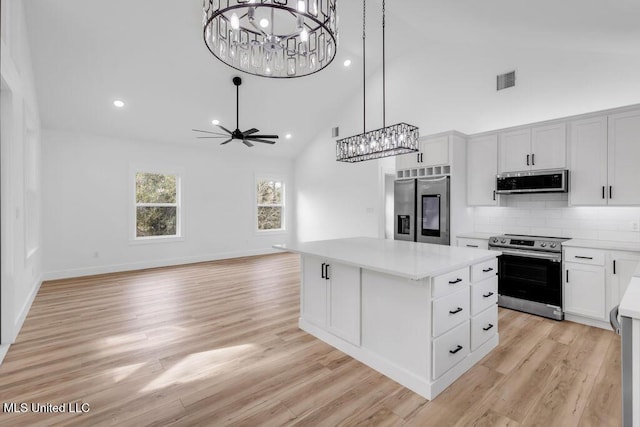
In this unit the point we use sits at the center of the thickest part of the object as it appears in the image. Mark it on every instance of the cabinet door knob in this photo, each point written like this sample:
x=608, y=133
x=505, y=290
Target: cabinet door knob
x=458, y=348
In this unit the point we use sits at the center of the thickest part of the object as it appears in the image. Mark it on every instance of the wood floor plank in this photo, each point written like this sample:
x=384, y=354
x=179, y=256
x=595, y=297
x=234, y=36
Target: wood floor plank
x=217, y=343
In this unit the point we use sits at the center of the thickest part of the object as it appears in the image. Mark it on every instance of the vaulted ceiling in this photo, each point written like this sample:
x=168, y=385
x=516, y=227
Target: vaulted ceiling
x=150, y=53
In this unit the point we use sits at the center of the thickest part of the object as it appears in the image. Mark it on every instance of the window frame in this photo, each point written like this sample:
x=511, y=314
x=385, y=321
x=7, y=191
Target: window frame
x=282, y=204
x=133, y=235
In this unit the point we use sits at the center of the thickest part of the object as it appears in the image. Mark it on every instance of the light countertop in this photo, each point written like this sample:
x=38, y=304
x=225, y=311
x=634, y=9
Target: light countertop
x=404, y=259
x=476, y=235
x=630, y=304
x=603, y=244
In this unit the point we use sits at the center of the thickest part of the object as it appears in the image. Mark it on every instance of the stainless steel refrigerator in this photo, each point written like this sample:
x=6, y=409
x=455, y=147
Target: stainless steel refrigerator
x=421, y=210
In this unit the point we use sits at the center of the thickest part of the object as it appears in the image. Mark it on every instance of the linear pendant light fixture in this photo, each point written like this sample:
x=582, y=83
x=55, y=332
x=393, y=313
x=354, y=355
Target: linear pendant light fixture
x=272, y=38
x=388, y=141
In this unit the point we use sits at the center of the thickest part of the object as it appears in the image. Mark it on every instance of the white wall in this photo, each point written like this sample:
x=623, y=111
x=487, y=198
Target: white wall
x=88, y=203
x=21, y=250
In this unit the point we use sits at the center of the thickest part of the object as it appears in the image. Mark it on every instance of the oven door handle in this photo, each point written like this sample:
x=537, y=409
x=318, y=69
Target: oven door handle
x=530, y=254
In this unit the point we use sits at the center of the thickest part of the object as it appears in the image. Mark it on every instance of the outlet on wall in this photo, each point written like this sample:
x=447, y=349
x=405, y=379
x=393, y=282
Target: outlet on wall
x=635, y=225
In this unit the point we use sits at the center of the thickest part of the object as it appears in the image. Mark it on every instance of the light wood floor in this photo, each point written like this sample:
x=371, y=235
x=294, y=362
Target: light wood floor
x=218, y=344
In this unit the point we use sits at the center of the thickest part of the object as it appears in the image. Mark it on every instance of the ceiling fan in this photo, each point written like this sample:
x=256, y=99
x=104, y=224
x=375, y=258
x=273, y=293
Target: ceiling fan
x=248, y=136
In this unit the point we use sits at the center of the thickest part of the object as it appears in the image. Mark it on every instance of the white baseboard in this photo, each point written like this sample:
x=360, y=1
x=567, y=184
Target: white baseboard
x=587, y=321
x=116, y=268
x=24, y=311
x=4, y=348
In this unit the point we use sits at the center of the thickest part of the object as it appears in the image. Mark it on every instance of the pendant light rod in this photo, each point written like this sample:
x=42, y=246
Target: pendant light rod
x=384, y=86
x=364, y=74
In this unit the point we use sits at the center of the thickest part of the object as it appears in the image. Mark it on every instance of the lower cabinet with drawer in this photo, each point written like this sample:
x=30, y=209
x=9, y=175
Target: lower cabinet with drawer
x=450, y=348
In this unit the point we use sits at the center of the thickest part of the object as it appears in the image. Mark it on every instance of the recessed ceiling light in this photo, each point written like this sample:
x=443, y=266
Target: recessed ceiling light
x=118, y=103
x=264, y=22
x=215, y=122
x=288, y=136
x=347, y=63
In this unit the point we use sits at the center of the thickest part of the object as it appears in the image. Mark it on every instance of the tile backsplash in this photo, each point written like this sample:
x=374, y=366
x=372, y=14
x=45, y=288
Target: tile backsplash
x=550, y=215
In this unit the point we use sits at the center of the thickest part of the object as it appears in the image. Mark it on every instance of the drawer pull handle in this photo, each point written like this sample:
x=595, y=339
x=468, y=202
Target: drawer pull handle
x=458, y=348
x=486, y=270
x=472, y=246
x=584, y=257
x=487, y=295
x=457, y=310
x=488, y=327
x=453, y=282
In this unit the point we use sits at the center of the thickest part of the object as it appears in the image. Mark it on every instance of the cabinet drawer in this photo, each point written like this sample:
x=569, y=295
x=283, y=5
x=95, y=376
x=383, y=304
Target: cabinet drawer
x=473, y=243
x=483, y=327
x=584, y=256
x=450, y=282
x=450, y=348
x=449, y=311
x=484, y=295
x=484, y=270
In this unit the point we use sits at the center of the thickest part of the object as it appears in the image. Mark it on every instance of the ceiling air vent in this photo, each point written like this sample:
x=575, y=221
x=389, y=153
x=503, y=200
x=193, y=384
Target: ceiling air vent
x=506, y=80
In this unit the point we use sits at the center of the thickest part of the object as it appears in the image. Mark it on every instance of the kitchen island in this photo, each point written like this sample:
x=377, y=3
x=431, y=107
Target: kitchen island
x=419, y=313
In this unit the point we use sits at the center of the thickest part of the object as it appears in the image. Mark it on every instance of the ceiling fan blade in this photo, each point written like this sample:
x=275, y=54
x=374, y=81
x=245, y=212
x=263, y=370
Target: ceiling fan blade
x=211, y=137
x=265, y=136
x=250, y=131
x=227, y=141
x=206, y=131
x=260, y=140
x=247, y=143
x=225, y=129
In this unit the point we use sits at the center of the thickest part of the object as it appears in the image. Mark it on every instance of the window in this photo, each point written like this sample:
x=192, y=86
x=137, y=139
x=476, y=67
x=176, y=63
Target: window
x=157, y=205
x=270, y=204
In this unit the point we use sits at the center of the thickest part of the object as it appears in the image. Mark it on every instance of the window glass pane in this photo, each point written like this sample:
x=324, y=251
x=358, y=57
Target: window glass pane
x=269, y=192
x=156, y=221
x=269, y=218
x=155, y=188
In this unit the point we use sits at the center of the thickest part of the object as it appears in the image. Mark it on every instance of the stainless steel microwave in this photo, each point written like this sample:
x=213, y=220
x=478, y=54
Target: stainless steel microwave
x=548, y=181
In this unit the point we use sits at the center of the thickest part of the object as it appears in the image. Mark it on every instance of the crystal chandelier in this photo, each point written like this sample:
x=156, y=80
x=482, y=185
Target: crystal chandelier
x=272, y=38
x=391, y=140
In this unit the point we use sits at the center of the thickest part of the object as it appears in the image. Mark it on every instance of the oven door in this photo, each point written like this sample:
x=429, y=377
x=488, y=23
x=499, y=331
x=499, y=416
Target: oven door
x=531, y=276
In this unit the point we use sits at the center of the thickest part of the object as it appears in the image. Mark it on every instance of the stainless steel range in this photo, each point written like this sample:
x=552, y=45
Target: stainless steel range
x=530, y=274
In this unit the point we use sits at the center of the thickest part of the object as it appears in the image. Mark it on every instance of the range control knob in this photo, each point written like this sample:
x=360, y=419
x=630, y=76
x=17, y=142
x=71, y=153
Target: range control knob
x=503, y=241
x=553, y=245
x=495, y=240
x=543, y=244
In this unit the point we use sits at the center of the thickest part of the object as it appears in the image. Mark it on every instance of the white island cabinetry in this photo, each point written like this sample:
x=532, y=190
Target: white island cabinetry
x=421, y=314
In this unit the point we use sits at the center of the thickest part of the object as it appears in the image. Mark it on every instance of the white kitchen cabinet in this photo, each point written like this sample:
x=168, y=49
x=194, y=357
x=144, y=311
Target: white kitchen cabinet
x=431, y=159
x=604, y=151
x=622, y=266
x=482, y=167
x=623, y=156
x=331, y=297
x=584, y=290
x=473, y=243
x=515, y=150
x=533, y=148
x=588, y=166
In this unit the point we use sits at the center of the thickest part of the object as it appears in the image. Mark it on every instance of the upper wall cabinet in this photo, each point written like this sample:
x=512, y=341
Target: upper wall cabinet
x=533, y=148
x=604, y=154
x=433, y=152
x=482, y=167
x=588, y=154
x=623, y=159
